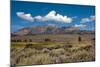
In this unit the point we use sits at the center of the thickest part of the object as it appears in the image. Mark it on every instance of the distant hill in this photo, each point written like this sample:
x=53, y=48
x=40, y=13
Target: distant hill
x=48, y=30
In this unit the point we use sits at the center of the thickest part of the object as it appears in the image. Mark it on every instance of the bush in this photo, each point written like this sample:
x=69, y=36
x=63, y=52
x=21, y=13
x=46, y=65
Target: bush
x=45, y=50
x=82, y=56
x=41, y=59
x=47, y=39
x=57, y=52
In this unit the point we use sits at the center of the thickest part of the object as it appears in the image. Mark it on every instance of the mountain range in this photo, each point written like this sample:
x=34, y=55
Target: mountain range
x=47, y=30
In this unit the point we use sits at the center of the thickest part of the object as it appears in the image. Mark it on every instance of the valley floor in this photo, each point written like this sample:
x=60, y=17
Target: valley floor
x=52, y=49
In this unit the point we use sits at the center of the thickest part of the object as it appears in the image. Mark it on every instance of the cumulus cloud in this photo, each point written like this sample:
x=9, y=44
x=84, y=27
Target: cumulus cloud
x=89, y=19
x=24, y=16
x=80, y=25
x=53, y=16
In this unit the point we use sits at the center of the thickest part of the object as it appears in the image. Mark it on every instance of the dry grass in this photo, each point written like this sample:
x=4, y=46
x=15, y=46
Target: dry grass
x=50, y=52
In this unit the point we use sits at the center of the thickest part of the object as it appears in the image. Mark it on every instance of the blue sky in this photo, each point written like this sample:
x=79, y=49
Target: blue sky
x=27, y=14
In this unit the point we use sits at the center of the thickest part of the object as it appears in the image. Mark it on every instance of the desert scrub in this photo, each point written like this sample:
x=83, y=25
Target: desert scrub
x=86, y=47
x=57, y=52
x=45, y=50
x=72, y=50
x=22, y=60
x=61, y=59
x=41, y=59
x=82, y=56
x=30, y=50
x=79, y=47
x=19, y=57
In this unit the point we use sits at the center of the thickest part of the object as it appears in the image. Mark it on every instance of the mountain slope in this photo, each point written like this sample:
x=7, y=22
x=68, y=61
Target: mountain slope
x=45, y=30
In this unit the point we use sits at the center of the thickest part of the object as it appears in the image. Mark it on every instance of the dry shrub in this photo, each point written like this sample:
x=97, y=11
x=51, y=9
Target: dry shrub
x=30, y=51
x=41, y=59
x=45, y=50
x=57, y=52
x=49, y=54
x=86, y=47
x=72, y=50
x=62, y=58
x=82, y=56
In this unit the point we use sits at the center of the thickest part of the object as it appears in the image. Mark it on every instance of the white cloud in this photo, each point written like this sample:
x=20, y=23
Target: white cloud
x=53, y=16
x=90, y=19
x=24, y=16
x=39, y=18
x=84, y=20
x=80, y=25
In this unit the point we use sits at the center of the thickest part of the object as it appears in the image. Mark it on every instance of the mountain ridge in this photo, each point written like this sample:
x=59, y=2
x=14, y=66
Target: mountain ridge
x=48, y=30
